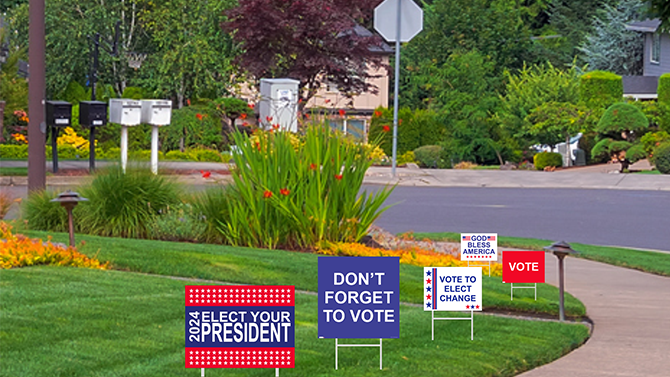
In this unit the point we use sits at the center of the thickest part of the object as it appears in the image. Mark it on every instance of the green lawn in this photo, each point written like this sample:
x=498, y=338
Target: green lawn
x=59, y=321
x=647, y=261
x=260, y=266
x=13, y=172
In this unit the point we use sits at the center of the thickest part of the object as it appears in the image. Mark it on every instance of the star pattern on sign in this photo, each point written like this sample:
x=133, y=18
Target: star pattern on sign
x=428, y=297
x=245, y=358
x=228, y=295
x=427, y=289
x=428, y=273
x=428, y=281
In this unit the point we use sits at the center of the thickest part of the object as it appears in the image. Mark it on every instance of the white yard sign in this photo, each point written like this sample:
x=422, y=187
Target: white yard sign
x=480, y=247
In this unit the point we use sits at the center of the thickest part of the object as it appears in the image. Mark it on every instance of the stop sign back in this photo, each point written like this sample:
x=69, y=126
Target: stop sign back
x=523, y=267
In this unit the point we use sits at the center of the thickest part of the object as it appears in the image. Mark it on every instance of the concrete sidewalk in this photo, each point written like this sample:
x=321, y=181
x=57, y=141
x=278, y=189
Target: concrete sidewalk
x=592, y=177
x=631, y=315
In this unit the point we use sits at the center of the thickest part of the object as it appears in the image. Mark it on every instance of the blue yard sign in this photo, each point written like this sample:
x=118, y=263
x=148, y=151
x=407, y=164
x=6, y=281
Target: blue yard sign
x=359, y=297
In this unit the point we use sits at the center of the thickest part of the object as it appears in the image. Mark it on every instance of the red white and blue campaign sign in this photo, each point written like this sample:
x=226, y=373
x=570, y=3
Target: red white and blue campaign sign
x=359, y=297
x=452, y=288
x=479, y=247
x=247, y=326
x=523, y=267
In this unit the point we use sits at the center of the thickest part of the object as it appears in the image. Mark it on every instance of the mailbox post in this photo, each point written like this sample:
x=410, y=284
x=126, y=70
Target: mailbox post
x=127, y=113
x=92, y=114
x=59, y=114
x=157, y=113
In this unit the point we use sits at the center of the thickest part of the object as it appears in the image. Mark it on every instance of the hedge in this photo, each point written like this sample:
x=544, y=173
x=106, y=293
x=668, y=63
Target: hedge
x=664, y=89
x=544, y=159
x=600, y=89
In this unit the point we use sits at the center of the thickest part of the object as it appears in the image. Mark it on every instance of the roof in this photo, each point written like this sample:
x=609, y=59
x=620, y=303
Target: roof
x=361, y=31
x=646, y=26
x=635, y=85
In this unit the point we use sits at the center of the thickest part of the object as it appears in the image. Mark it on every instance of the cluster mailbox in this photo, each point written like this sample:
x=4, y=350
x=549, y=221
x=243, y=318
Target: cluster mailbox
x=92, y=113
x=156, y=112
x=126, y=112
x=59, y=113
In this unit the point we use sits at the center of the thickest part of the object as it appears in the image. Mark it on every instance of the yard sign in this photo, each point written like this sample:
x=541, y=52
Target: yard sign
x=240, y=326
x=480, y=247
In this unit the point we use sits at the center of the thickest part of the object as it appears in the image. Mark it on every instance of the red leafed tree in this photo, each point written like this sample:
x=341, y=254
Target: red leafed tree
x=307, y=40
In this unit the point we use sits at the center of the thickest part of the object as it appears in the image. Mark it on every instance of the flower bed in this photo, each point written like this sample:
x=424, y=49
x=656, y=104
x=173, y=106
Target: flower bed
x=17, y=250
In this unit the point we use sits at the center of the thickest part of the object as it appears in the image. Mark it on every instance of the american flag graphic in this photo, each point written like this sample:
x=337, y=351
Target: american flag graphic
x=491, y=238
x=213, y=301
x=466, y=238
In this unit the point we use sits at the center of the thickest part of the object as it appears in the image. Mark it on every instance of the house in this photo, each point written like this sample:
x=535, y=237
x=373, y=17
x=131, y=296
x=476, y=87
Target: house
x=656, y=60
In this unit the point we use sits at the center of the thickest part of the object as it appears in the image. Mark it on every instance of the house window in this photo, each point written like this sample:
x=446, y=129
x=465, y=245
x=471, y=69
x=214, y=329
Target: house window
x=656, y=48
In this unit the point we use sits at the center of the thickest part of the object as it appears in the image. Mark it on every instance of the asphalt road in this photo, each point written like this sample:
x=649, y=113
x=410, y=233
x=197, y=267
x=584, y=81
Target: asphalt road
x=602, y=217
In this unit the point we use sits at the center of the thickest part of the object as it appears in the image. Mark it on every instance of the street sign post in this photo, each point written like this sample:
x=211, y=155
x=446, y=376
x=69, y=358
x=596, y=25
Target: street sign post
x=408, y=23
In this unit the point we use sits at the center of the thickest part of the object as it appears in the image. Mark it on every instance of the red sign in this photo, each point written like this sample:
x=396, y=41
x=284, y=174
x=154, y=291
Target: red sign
x=523, y=267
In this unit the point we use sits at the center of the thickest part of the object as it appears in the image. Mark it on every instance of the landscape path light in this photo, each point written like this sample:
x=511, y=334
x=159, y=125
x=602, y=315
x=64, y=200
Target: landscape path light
x=69, y=199
x=561, y=250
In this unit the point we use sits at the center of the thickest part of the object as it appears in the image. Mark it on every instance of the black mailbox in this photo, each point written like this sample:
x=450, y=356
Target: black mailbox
x=92, y=113
x=59, y=113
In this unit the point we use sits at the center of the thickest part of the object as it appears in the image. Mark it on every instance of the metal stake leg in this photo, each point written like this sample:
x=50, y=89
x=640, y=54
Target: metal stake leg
x=472, y=325
x=154, y=149
x=380, y=353
x=335, y=353
x=202, y=372
x=276, y=372
x=124, y=147
x=432, y=325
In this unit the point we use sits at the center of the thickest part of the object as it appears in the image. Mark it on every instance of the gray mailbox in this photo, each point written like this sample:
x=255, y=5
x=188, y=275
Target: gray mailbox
x=126, y=112
x=59, y=114
x=279, y=100
x=92, y=113
x=156, y=112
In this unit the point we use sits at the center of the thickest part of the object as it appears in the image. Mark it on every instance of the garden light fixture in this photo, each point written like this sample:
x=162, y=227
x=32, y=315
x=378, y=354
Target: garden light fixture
x=561, y=250
x=69, y=199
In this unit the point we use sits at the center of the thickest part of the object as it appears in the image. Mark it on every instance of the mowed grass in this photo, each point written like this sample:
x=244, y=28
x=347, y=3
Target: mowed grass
x=13, y=172
x=60, y=321
x=647, y=261
x=262, y=266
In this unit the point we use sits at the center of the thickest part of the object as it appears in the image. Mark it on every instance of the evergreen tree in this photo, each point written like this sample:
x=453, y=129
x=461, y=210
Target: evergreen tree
x=610, y=47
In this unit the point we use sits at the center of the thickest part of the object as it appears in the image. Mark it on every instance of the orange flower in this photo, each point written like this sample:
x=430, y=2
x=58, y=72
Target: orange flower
x=275, y=126
x=205, y=174
x=245, y=124
x=267, y=194
x=269, y=119
x=342, y=113
x=327, y=101
x=284, y=191
x=386, y=128
x=199, y=116
x=258, y=145
x=243, y=116
x=188, y=102
x=378, y=114
x=338, y=177
x=399, y=121
x=312, y=166
x=306, y=116
x=251, y=105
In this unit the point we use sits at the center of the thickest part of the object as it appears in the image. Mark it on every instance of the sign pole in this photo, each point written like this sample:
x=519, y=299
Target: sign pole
x=202, y=372
x=395, y=90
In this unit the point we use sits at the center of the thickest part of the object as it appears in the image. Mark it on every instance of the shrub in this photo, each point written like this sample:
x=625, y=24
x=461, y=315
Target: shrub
x=143, y=155
x=178, y=223
x=406, y=158
x=544, y=159
x=212, y=207
x=13, y=151
x=662, y=158
x=600, y=89
x=664, y=89
x=124, y=205
x=206, y=155
x=6, y=201
x=113, y=153
x=621, y=117
x=177, y=155
x=429, y=156
x=313, y=197
x=197, y=125
x=19, y=251
x=652, y=140
x=415, y=129
x=134, y=92
x=43, y=214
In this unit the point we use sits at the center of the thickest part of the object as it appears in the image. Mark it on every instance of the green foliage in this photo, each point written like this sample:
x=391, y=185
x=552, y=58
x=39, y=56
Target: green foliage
x=10, y=151
x=415, y=128
x=621, y=117
x=74, y=93
x=197, y=125
x=180, y=222
x=13, y=88
x=610, y=46
x=43, y=214
x=429, y=156
x=314, y=197
x=601, y=150
x=125, y=204
x=204, y=155
x=662, y=158
x=553, y=122
x=143, y=155
x=664, y=89
x=177, y=155
x=134, y=92
x=652, y=140
x=232, y=107
x=600, y=89
x=543, y=159
x=635, y=153
x=212, y=206
x=406, y=158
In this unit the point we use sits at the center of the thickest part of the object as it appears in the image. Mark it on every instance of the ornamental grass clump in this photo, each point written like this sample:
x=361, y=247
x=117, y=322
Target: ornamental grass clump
x=296, y=195
x=17, y=250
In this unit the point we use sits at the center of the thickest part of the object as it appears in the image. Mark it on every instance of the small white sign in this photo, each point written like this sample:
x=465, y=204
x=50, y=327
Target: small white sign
x=97, y=123
x=62, y=121
x=452, y=288
x=482, y=247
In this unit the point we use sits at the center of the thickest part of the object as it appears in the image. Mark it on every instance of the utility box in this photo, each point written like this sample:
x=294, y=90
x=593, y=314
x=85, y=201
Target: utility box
x=279, y=104
x=59, y=114
x=127, y=112
x=92, y=113
x=156, y=112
